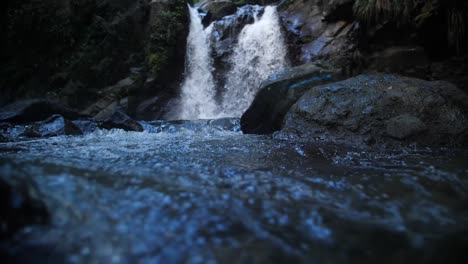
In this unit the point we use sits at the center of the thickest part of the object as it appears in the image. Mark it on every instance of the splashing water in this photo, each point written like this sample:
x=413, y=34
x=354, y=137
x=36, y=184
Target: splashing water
x=260, y=52
x=198, y=89
x=201, y=190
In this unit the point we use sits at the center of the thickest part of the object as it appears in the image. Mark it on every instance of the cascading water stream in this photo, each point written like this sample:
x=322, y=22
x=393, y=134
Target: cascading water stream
x=259, y=53
x=198, y=89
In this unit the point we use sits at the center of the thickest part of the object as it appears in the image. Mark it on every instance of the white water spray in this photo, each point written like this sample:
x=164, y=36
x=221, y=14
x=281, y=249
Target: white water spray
x=198, y=89
x=259, y=53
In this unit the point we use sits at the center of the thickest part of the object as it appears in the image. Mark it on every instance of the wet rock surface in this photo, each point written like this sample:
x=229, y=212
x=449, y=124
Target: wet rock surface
x=216, y=10
x=122, y=121
x=279, y=92
x=200, y=193
x=321, y=30
x=381, y=108
x=55, y=125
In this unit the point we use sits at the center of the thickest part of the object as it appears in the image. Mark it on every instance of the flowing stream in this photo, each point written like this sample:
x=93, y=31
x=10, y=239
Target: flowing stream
x=202, y=192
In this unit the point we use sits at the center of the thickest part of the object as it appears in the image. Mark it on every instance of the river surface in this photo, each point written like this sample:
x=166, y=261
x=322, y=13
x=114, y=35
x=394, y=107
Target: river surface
x=205, y=193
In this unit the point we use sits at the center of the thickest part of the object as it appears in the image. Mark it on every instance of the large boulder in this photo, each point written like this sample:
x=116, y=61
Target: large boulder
x=381, y=108
x=34, y=110
x=279, y=92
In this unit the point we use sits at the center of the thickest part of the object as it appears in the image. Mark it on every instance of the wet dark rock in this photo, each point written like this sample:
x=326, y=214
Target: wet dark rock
x=387, y=108
x=110, y=99
x=321, y=30
x=55, y=125
x=15, y=132
x=86, y=126
x=21, y=204
x=216, y=10
x=154, y=108
x=405, y=126
x=121, y=121
x=278, y=93
x=3, y=138
x=34, y=110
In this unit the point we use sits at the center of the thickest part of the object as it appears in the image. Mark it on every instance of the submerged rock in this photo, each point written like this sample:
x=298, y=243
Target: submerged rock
x=228, y=124
x=20, y=204
x=55, y=125
x=86, y=126
x=384, y=109
x=121, y=121
x=279, y=92
x=34, y=110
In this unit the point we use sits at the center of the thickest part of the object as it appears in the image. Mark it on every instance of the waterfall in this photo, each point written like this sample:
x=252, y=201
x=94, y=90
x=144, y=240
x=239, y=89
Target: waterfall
x=259, y=53
x=198, y=88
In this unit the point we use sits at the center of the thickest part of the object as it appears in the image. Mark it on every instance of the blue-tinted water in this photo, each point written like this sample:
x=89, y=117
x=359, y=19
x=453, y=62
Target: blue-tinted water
x=198, y=193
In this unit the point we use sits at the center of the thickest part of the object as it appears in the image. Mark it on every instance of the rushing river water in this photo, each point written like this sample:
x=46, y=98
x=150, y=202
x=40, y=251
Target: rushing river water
x=201, y=192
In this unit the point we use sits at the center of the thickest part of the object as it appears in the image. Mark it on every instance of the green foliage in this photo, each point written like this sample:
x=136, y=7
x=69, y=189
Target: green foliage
x=156, y=61
x=417, y=13
x=165, y=33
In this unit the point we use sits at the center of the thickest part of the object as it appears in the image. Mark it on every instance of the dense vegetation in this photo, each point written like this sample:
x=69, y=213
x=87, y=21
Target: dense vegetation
x=418, y=13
